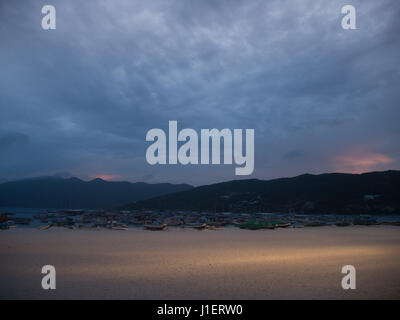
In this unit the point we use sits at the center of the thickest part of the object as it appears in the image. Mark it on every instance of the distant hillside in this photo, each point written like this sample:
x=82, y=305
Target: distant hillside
x=54, y=192
x=375, y=192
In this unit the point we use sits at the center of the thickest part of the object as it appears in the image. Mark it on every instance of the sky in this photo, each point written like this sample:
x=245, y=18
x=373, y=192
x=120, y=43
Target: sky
x=79, y=100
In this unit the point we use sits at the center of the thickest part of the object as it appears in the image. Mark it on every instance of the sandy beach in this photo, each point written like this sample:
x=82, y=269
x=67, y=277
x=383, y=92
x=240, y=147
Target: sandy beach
x=188, y=264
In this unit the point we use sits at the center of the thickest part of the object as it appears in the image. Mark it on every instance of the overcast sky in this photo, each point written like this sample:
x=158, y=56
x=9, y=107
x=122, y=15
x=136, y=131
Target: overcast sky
x=80, y=99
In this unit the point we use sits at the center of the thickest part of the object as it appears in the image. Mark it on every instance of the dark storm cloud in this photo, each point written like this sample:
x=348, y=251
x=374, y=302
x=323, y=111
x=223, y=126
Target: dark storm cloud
x=87, y=92
x=12, y=138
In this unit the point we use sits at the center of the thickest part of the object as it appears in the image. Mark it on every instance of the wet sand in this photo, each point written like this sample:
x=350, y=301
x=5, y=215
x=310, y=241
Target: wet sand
x=188, y=264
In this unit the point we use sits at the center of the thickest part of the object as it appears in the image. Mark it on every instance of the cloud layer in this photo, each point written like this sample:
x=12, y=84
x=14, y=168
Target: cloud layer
x=81, y=98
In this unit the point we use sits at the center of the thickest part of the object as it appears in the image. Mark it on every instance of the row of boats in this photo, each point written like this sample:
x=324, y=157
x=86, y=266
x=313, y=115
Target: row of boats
x=158, y=221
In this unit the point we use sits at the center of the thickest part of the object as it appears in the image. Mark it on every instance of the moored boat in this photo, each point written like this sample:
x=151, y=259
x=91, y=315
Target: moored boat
x=256, y=225
x=155, y=227
x=119, y=228
x=283, y=225
x=197, y=226
x=45, y=227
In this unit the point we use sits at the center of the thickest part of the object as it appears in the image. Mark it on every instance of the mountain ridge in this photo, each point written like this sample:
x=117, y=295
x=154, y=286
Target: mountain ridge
x=370, y=192
x=72, y=192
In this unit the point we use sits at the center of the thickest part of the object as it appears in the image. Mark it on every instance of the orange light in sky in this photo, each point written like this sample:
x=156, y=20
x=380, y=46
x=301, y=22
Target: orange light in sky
x=106, y=176
x=360, y=161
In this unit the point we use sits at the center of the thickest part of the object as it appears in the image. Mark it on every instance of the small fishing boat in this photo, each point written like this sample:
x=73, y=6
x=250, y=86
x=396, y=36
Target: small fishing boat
x=155, y=227
x=200, y=227
x=197, y=226
x=283, y=225
x=45, y=227
x=256, y=225
x=121, y=227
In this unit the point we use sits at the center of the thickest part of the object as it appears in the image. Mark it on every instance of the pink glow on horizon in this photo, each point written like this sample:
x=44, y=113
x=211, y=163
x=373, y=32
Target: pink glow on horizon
x=359, y=161
x=106, y=176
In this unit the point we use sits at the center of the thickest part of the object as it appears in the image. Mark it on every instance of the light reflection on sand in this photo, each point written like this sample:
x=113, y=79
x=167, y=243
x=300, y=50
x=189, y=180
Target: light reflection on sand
x=229, y=264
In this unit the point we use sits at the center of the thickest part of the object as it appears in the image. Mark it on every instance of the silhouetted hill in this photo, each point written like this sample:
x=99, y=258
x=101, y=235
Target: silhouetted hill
x=55, y=192
x=374, y=192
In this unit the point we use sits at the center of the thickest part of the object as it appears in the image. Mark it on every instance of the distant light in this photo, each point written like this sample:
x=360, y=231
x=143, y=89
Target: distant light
x=359, y=161
x=106, y=176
